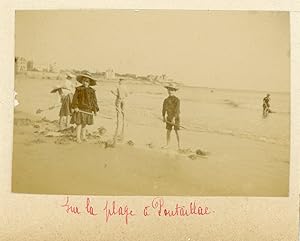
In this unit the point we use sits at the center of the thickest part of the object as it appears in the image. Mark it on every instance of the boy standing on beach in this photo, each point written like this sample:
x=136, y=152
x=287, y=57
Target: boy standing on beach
x=121, y=94
x=171, y=107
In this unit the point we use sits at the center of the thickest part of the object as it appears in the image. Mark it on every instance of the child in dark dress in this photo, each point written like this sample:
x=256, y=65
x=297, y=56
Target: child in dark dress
x=84, y=104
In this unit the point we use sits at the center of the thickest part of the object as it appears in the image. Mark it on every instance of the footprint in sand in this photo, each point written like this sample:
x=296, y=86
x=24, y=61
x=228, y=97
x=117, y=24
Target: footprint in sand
x=201, y=153
x=101, y=130
x=198, y=154
x=53, y=134
x=185, y=151
x=37, y=141
x=62, y=141
x=106, y=144
x=150, y=145
x=23, y=122
x=130, y=143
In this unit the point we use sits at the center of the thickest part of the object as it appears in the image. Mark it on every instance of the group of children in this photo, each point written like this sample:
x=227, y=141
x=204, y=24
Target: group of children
x=79, y=108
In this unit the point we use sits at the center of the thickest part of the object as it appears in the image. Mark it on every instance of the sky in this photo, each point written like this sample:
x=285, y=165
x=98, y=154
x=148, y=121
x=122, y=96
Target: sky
x=218, y=49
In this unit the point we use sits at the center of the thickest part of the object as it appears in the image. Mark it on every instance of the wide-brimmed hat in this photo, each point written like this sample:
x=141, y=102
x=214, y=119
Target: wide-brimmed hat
x=56, y=88
x=86, y=74
x=171, y=86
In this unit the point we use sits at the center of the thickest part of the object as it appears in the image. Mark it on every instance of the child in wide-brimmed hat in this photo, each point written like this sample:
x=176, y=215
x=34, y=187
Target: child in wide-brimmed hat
x=84, y=104
x=66, y=108
x=171, y=107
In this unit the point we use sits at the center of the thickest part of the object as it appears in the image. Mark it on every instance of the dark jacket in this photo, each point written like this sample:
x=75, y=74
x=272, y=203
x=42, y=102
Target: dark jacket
x=266, y=103
x=171, y=106
x=85, y=99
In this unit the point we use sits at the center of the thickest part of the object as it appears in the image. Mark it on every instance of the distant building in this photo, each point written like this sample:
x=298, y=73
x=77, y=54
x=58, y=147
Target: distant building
x=109, y=74
x=132, y=76
x=41, y=67
x=143, y=77
x=154, y=78
x=100, y=74
x=30, y=65
x=163, y=77
x=20, y=64
x=151, y=77
x=53, y=68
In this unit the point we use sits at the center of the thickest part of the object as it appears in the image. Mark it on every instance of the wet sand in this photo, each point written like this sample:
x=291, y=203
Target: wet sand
x=58, y=165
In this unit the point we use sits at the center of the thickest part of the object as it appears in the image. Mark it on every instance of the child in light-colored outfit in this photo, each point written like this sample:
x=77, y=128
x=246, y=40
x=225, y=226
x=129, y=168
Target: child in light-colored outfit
x=121, y=94
x=66, y=106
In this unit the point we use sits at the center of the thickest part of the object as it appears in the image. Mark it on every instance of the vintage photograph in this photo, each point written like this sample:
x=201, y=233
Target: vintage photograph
x=152, y=102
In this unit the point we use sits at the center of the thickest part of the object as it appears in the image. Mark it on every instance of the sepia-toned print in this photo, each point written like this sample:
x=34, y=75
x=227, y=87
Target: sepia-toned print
x=152, y=102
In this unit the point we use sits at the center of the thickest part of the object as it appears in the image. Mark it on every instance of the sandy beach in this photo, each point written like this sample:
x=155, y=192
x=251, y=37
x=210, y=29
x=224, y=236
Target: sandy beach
x=237, y=161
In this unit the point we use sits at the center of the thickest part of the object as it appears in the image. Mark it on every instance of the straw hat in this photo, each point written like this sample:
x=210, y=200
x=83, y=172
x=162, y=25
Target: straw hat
x=55, y=89
x=88, y=75
x=171, y=86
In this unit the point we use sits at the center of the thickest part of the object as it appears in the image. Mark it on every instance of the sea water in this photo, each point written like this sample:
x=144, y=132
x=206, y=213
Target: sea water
x=223, y=112
x=237, y=113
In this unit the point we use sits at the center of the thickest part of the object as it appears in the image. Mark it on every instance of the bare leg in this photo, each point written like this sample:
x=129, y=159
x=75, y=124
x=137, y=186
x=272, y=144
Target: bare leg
x=83, y=132
x=60, y=123
x=178, y=139
x=122, y=105
x=123, y=126
x=118, y=120
x=78, y=133
x=67, y=121
x=168, y=139
x=265, y=113
x=116, y=130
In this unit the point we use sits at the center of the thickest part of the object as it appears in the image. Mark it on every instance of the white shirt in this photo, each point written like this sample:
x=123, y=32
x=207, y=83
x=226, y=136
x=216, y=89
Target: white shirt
x=70, y=85
x=121, y=92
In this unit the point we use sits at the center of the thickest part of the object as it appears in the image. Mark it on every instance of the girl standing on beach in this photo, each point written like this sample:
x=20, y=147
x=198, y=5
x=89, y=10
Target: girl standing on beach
x=66, y=108
x=84, y=104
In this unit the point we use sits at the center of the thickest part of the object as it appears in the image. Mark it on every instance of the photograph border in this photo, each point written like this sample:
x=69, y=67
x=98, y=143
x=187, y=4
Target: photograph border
x=234, y=218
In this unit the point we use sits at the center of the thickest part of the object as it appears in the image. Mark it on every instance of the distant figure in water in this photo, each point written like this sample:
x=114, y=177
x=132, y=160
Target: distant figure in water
x=66, y=105
x=121, y=94
x=266, y=106
x=171, y=107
